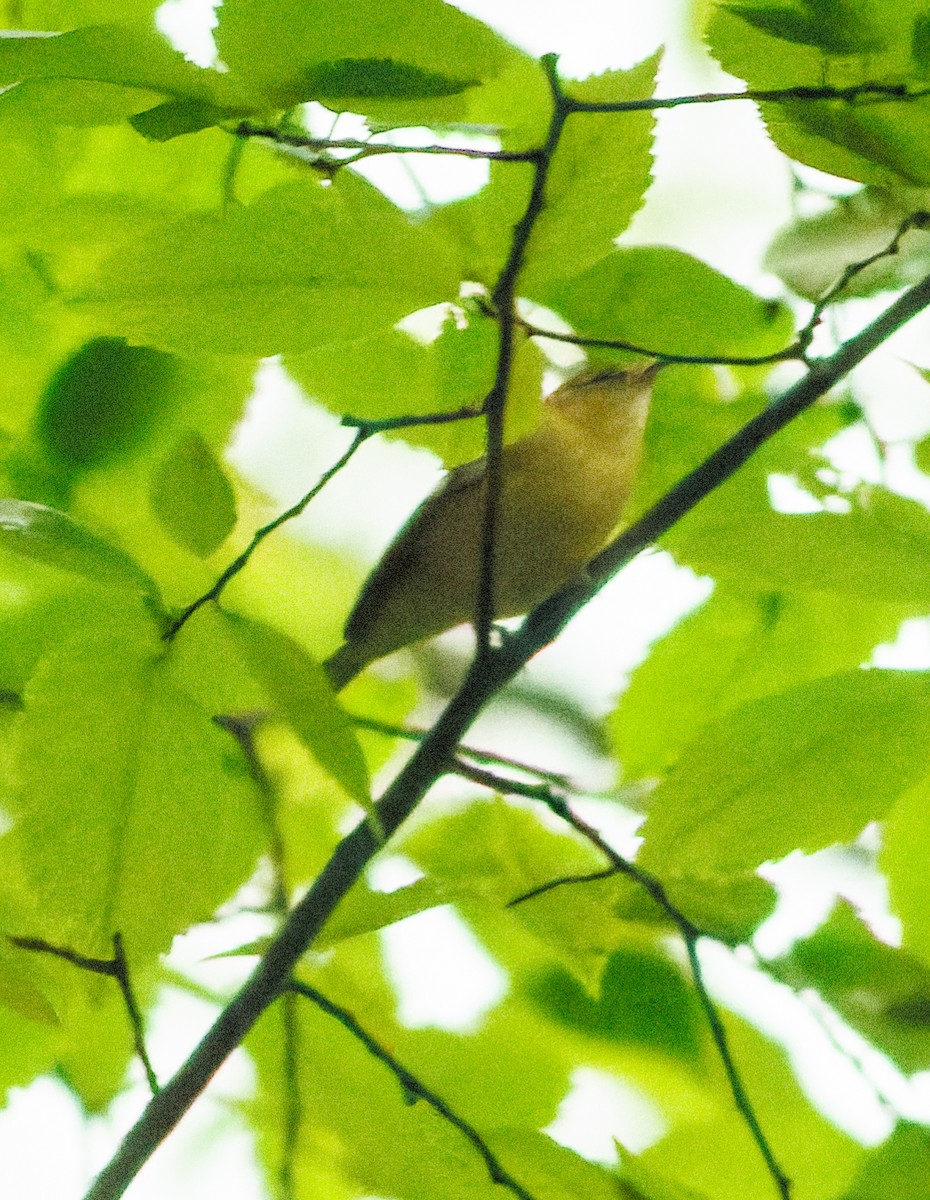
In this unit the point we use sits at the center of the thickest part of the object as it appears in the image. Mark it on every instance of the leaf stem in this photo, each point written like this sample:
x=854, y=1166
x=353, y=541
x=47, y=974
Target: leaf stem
x=413, y=1087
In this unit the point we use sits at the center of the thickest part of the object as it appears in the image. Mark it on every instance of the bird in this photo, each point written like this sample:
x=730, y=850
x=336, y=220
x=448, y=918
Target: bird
x=564, y=487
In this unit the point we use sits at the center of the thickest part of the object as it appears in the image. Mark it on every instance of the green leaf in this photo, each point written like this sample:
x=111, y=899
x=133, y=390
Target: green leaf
x=301, y=695
x=843, y=43
x=131, y=56
x=898, y=1167
x=302, y=266
x=667, y=301
x=325, y=38
x=905, y=841
x=370, y=78
x=137, y=814
x=103, y=401
x=596, y=183
x=193, y=498
x=796, y=771
x=644, y=1001
x=811, y=254
x=33, y=531
x=20, y=991
x=878, y=552
x=393, y=375
x=834, y=26
x=741, y=644
x=174, y=118
x=712, y=1151
x=364, y=910
x=882, y=992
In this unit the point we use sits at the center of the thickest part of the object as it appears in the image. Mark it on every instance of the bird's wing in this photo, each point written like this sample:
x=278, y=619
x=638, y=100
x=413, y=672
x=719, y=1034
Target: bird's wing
x=400, y=553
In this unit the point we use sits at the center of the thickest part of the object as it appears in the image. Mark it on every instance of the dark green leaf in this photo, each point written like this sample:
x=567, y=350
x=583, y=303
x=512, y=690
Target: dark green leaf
x=369, y=78
x=103, y=401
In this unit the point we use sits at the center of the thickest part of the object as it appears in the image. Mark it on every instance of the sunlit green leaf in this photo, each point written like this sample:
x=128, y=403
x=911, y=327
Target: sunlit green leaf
x=301, y=695
x=799, y=770
x=35, y=532
x=302, y=266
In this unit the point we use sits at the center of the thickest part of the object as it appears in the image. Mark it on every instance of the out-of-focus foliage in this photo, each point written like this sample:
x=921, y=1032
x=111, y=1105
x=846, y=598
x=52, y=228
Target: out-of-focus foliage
x=151, y=251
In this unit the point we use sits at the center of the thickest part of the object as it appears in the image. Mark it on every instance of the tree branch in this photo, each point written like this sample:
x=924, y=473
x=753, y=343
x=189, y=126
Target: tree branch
x=488, y=674
x=259, y=536
x=690, y=935
x=116, y=968
x=413, y=1088
x=868, y=93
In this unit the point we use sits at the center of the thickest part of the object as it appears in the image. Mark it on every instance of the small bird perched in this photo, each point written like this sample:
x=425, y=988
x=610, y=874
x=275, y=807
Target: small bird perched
x=563, y=490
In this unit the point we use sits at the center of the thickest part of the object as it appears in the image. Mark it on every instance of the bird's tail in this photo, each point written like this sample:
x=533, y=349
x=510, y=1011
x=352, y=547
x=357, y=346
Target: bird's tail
x=344, y=665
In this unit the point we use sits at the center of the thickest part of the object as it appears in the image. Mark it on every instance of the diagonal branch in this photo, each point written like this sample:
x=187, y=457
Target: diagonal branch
x=214, y=593
x=435, y=753
x=690, y=935
x=413, y=1088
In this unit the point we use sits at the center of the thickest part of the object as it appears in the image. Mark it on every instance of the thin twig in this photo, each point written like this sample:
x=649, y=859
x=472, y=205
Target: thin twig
x=368, y=149
x=412, y=733
x=259, y=536
x=867, y=93
x=414, y=1088
x=690, y=935
x=115, y=968
x=797, y=350
x=862, y=93
x=717, y=360
x=917, y=220
x=382, y=424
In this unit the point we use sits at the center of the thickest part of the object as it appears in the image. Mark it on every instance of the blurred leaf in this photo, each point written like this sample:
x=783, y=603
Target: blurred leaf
x=102, y=402
x=193, y=498
x=898, y=1167
x=302, y=266
x=667, y=301
x=905, y=842
x=644, y=1000
x=301, y=695
x=811, y=253
x=882, y=992
x=33, y=531
x=713, y=1153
